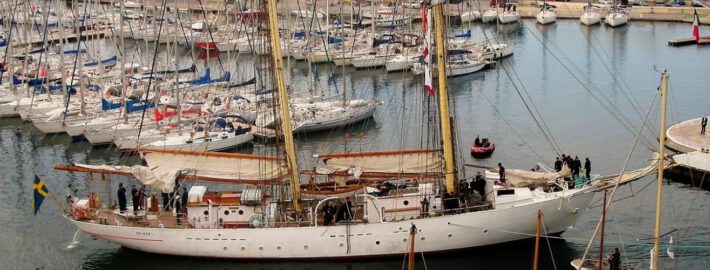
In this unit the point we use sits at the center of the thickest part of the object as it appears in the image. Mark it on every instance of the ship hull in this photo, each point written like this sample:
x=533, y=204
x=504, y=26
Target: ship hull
x=374, y=239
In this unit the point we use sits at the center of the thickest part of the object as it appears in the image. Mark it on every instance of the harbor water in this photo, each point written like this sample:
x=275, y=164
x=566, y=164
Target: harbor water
x=590, y=86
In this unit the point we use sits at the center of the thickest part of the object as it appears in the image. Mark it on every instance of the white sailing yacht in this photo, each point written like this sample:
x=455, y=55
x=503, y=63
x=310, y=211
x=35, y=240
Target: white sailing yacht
x=547, y=14
x=617, y=16
x=591, y=15
x=255, y=223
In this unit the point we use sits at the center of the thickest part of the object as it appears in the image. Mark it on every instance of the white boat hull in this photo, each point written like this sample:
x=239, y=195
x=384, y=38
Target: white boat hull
x=470, y=16
x=546, y=17
x=213, y=145
x=489, y=16
x=616, y=19
x=355, y=116
x=353, y=241
x=590, y=18
x=460, y=71
x=508, y=17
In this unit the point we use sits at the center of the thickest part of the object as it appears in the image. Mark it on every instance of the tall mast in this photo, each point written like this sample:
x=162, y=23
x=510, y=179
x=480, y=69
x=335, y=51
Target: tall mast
x=443, y=95
x=661, y=154
x=283, y=104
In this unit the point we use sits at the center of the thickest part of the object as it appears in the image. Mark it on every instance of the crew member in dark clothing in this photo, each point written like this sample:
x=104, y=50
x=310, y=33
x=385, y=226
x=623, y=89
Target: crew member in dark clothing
x=141, y=198
x=344, y=211
x=615, y=260
x=703, y=125
x=576, y=166
x=183, y=199
x=166, y=201
x=328, y=213
x=558, y=164
x=121, y=198
x=135, y=199
x=477, y=142
x=501, y=172
x=587, y=167
x=479, y=184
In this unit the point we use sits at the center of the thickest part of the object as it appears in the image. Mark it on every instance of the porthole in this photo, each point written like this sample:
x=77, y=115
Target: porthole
x=423, y=238
x=404, y=240
x=261, y=248
x=406, y=202
x=450, y=235
x=206, y=213
x=305, y=246
x=225, y=248
x=243, y=248
x=278, y=247
x=433, y=207
x=341, y=245
x=226, y=212
x=377, y=243
x=241, y=212
x=485, y=230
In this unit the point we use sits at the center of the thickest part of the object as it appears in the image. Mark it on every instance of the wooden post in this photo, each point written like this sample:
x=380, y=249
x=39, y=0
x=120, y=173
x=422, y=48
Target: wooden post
x=412, y=234
x=537, y=239
x=601, y=238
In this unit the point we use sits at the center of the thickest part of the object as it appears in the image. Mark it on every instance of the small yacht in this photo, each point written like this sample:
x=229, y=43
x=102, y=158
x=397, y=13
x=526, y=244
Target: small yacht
x=546, y=15
x=591, y=15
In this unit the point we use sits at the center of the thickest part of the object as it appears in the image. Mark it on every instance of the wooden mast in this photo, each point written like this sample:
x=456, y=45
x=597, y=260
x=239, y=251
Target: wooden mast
x=661, y=154
x=283, y=104
x=443, y=96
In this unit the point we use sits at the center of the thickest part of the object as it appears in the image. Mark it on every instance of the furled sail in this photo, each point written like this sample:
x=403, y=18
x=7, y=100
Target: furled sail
x=383, y=163
x=164, y=166
x=522, y=178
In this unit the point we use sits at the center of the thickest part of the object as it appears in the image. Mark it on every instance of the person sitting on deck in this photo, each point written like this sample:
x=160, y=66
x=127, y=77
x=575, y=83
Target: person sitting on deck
x=328, y=210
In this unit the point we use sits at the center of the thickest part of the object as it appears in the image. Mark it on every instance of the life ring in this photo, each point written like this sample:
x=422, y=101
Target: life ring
x=256, y=221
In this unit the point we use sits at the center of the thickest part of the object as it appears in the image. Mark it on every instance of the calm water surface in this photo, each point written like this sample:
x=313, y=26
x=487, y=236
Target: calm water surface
x=590, y=86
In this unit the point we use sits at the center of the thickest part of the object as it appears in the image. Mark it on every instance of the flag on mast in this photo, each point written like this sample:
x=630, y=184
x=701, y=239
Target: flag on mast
x=426, y=56
x=669, y=251
x=696, y=25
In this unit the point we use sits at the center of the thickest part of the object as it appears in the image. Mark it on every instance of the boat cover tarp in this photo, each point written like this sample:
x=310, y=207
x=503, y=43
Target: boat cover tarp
x=165, y=166
x=523, y=178
x=386, y=162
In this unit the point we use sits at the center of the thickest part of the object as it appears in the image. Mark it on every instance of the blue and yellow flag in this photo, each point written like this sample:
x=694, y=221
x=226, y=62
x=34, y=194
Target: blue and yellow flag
x=40, y=191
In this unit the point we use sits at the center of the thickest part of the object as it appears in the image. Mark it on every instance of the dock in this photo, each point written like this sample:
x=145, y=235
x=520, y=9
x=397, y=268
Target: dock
x=693, y=162
x=704, y=40
x=685, y=137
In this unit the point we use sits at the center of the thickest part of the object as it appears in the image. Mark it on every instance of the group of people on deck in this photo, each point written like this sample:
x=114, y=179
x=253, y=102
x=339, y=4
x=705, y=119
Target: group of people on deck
x=138, y=198
x=574, y=164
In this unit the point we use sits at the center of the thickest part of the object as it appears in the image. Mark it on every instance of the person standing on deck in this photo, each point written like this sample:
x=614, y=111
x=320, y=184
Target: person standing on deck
x=135, y=199
x=576, y=166
x=587, y=168
x=615, y=260
x=501, y=173
x=121, y=198
x=558, y=164
x=703, y=125
x=183, y=200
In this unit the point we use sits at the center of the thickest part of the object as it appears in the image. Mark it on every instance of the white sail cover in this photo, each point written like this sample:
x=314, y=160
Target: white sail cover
x=522, y=178
x=165, y=181
x=386, y=162
x=164, y=166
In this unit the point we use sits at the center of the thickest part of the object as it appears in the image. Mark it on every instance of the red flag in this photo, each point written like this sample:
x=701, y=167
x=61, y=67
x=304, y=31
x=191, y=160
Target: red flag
x=42, y=72
x=33, y=8
x=158, y=115
x=696, y=30
x=424, y=18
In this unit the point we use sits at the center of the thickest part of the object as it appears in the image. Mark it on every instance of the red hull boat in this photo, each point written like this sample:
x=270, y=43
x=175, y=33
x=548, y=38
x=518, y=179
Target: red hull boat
x=484, y=149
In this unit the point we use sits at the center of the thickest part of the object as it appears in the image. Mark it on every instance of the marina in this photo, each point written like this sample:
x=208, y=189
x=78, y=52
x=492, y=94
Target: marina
x=380, y=122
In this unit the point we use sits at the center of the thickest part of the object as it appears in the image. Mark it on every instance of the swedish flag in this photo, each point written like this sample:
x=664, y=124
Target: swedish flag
x=40, y=191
